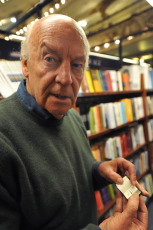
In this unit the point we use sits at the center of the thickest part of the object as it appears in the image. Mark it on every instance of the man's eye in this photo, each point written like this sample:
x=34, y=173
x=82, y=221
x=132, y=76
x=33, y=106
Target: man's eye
x=50, y=59
x=76, y=65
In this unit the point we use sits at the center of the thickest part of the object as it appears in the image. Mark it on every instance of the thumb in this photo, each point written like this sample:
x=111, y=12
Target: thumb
x=116, y=178
x=132, y=207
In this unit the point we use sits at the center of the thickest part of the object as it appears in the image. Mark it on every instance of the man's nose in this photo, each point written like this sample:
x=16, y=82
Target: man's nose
x=64, y=75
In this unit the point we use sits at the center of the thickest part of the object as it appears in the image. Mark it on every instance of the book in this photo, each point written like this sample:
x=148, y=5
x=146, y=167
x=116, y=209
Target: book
x=91, y=120
x=105, y=195
x=96, y=152
x=110, y=115
x=108, y=80
x=84, y=85
x=95, y=80
x=102, y=74
x=100, y=79
x=128, y=109
x=99, y=202
x=89, y=81
x=125, y=80
x=97, y=118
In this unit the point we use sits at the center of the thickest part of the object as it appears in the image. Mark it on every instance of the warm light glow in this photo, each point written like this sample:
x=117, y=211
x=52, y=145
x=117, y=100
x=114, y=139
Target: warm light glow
x=46, y=14
x=130, y=38
x=106, y=45
x=17, y=32
x=13, y=19
x=97, y=48
x=117, y=42
x=62, y=1
x=82, y=23
x=150, y=2
x=7, y=38
x=25, y=28
x=21, y=31
x=51, y=10
x=16, y=37
x=57, y=5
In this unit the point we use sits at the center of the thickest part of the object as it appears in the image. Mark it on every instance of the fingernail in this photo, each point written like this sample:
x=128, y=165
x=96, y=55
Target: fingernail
x=119, y=181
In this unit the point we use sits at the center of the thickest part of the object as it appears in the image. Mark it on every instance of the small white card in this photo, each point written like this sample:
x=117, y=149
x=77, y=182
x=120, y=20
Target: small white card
x=127, y=188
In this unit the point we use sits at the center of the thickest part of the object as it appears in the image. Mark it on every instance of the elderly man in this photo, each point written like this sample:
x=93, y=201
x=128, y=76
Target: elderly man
x=47, y=172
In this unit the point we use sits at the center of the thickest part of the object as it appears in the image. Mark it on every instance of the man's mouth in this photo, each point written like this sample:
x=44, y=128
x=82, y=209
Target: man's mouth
x=59, y=96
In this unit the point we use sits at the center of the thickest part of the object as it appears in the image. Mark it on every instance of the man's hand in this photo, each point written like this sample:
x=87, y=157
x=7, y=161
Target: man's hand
x=129, y=215
x=114, y=170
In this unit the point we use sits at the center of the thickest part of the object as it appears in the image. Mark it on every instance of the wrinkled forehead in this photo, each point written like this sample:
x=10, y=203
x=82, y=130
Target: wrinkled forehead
x=56, y=28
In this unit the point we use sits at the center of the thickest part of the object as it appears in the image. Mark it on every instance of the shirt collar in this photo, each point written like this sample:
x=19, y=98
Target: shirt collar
x=30, y=101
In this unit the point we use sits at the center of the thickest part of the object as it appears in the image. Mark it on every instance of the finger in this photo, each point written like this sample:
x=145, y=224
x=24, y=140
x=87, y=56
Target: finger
x=132, y=206
x=143, y=212
x=144, y=192
x=129, y=169
x=142, y=206
x=119, y=203
x=124, y=201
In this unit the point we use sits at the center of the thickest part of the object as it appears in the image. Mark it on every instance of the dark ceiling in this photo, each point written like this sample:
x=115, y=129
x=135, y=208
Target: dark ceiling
x=107, y=21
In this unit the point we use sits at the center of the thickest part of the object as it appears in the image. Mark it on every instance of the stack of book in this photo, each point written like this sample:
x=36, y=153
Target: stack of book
x=97, y=80
x=147, y=183
x=10, y=77
x=150, y=129
x=121, y=145
x=141, y=162
x=104, y=196
x=113, y=114
x=149, y=100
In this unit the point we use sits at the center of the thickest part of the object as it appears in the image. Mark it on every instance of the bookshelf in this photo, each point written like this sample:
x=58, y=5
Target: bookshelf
x=89, y=99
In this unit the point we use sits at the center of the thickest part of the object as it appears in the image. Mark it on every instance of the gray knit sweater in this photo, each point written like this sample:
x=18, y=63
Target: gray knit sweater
x=46, y=179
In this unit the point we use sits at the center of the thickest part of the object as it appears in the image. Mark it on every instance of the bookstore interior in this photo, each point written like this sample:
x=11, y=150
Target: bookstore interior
x=115, y=99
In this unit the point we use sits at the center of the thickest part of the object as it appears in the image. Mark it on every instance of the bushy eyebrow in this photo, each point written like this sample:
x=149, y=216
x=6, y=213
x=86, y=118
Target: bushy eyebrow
x=53, y=51
x=50, y=49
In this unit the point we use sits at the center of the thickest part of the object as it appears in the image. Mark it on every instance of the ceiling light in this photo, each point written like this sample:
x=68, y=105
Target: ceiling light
x=2, y=1
x=16, y=37
x=25, y=28
x=106, y=45
x=57, y=5
x=141, y=61
x=46, y=14
x=97, y=48
x=51, y=10
x=130, y=38
x=62, y=1
x=82, y=23
x=117, y=42
x=7, y=38
x=13, y=19
x=21, y=31
x=17, y=32
x=150, y=2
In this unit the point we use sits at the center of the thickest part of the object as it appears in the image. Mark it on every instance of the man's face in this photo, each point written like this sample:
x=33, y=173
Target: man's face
x=56, y=67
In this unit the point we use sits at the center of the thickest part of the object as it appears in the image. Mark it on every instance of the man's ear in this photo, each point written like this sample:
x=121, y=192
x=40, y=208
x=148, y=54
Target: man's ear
x=25, y=68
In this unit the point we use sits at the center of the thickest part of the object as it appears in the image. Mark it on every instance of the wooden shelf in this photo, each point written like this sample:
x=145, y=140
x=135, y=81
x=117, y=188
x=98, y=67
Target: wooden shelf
x=108, y=131
x=106, y=96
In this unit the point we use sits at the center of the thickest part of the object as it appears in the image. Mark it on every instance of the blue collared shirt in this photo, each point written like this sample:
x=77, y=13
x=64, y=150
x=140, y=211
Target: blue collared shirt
x=30, y=101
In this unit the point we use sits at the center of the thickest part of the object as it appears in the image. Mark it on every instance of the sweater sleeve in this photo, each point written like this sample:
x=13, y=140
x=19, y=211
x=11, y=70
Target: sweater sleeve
x=98, y=181
x=9, y=209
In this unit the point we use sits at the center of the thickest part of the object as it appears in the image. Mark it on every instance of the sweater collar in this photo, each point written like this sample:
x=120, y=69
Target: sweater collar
x=30, y=101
